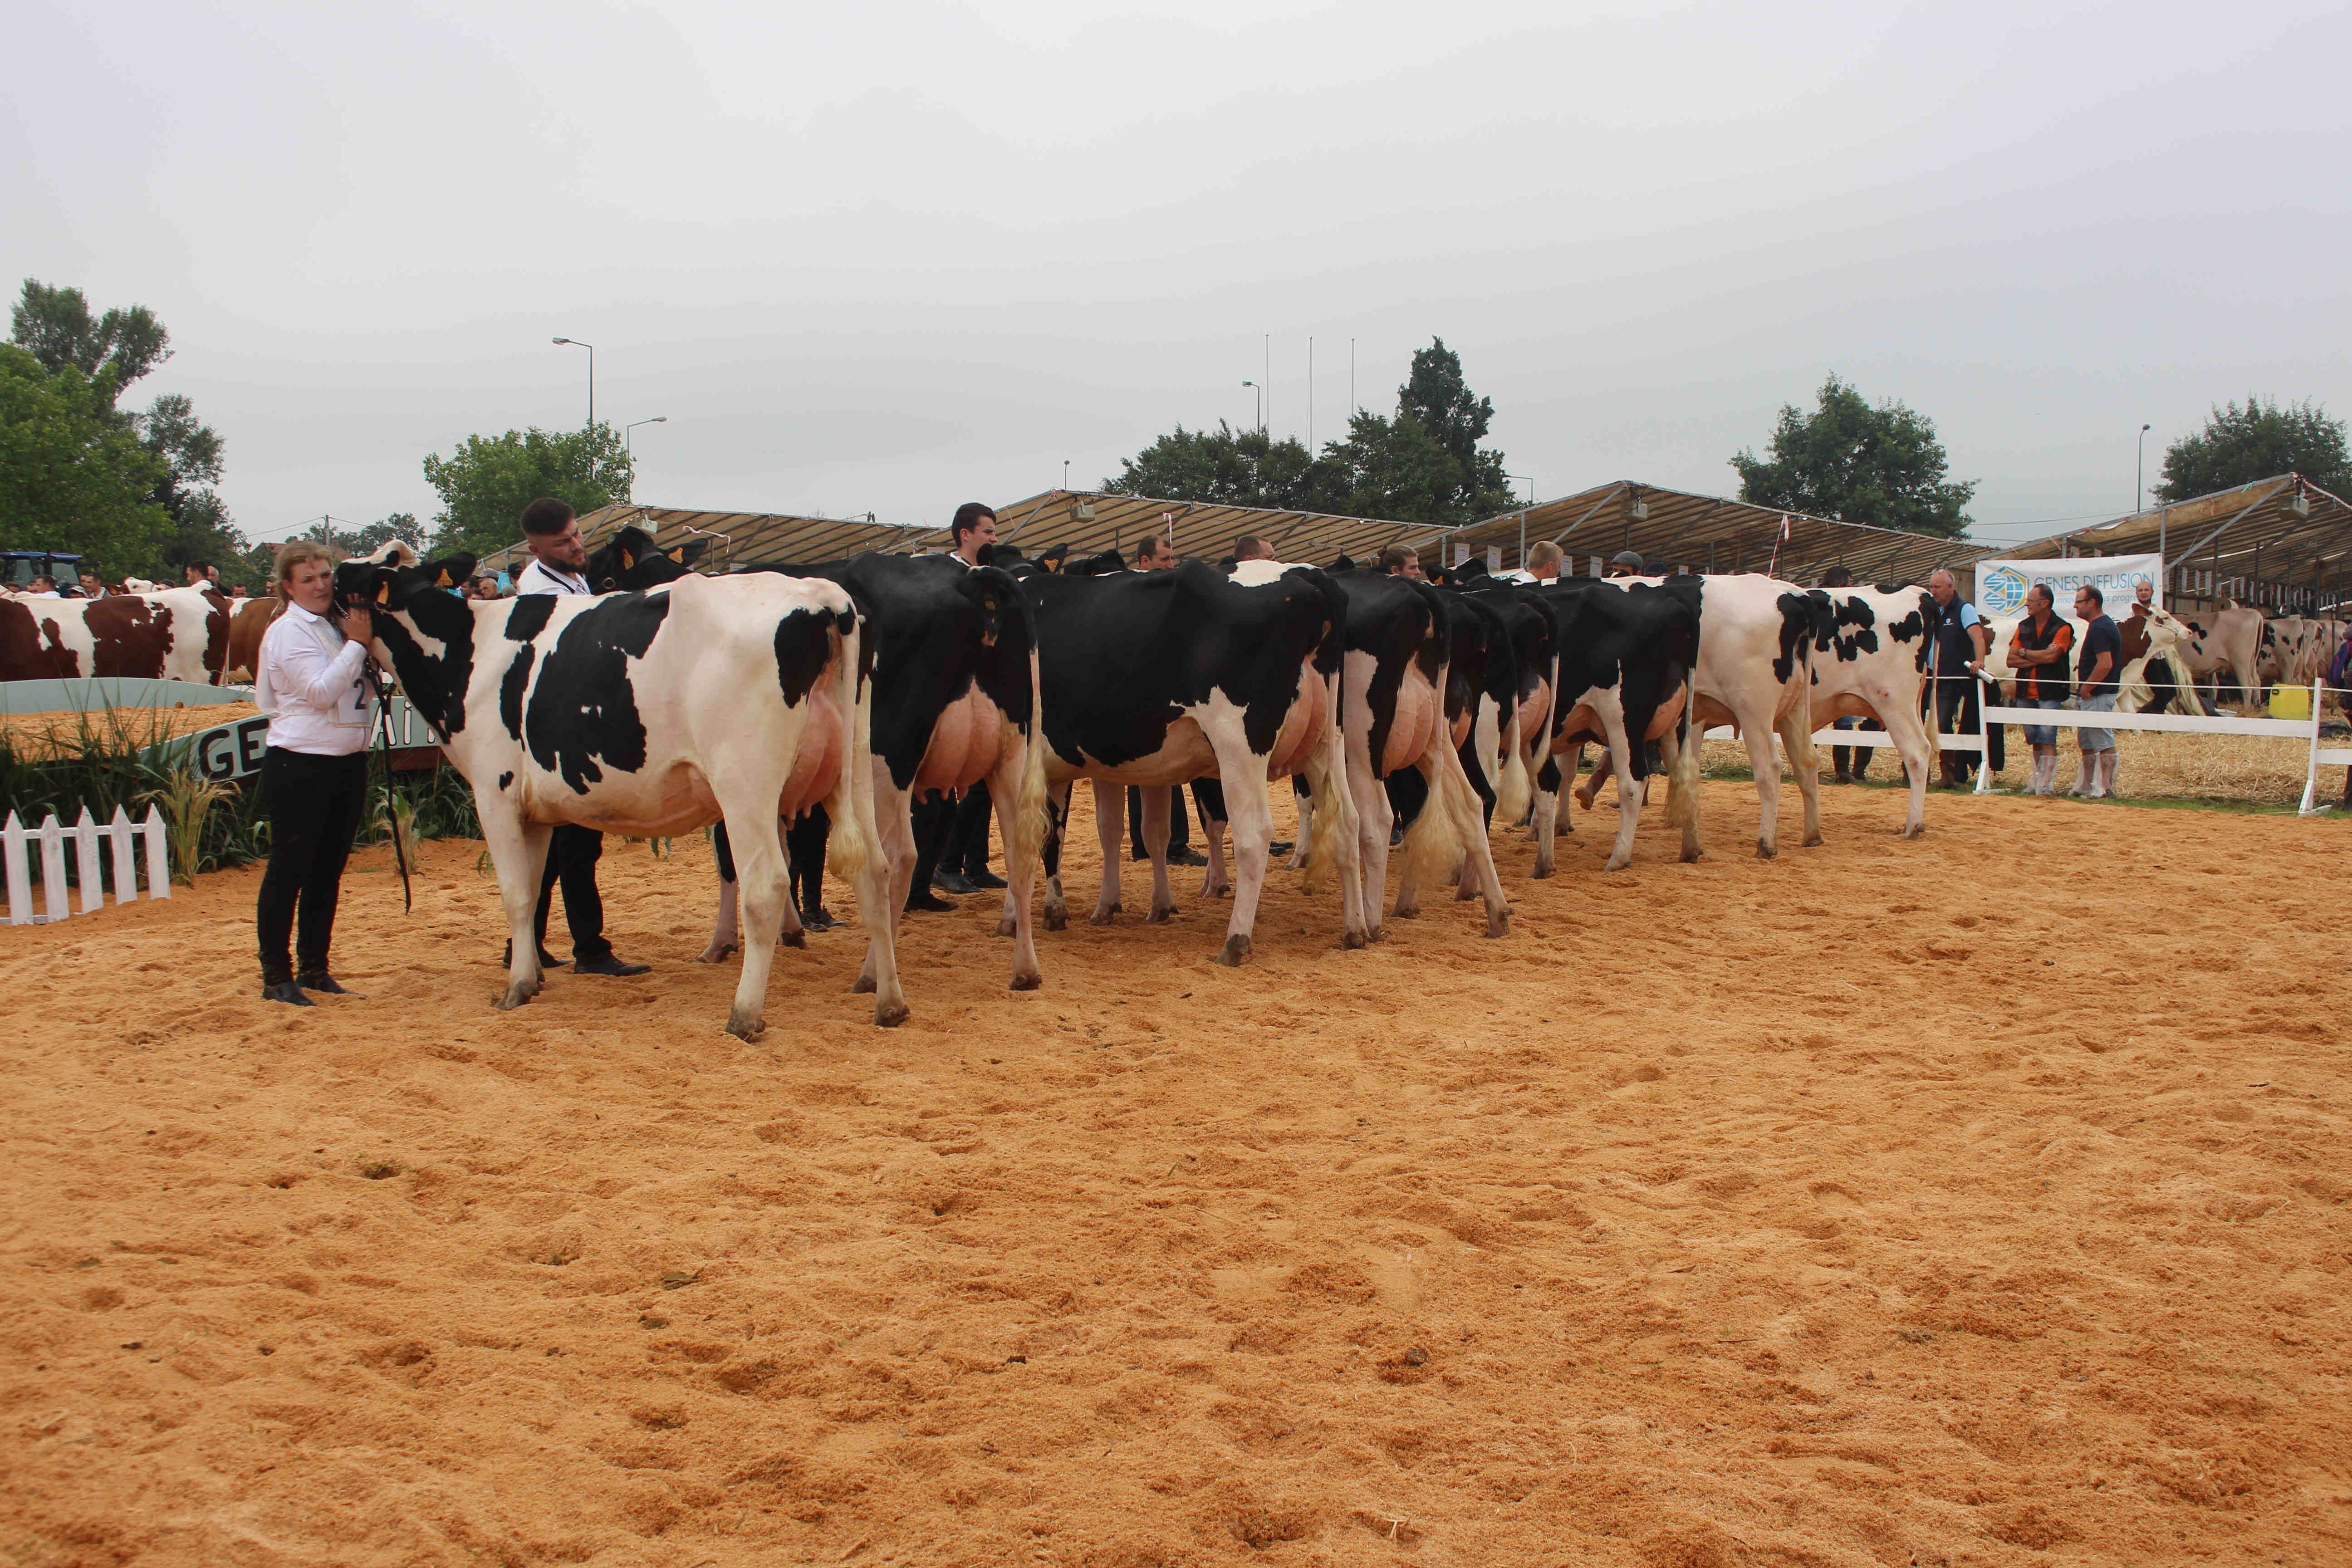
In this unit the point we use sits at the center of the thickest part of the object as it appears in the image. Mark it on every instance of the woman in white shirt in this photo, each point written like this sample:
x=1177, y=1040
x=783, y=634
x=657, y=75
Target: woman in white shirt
x=314, y=775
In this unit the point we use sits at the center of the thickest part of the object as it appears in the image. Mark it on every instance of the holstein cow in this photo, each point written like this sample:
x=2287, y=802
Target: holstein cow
x=254, y=618
x=1159, y=677
x=955, y=703
x=1482, y=715
x=1626, y=654
x=1398, y=641
x=1873, y=664
x=2231, y=639
x=743, y=699
x=173, y=634
x=1756, y=640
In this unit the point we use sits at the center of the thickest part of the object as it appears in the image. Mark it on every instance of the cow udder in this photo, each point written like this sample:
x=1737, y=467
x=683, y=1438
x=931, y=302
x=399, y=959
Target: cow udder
x=816, y=768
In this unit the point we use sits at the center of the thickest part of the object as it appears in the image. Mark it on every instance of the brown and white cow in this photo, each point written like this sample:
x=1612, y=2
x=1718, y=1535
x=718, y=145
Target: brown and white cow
x=174, y=634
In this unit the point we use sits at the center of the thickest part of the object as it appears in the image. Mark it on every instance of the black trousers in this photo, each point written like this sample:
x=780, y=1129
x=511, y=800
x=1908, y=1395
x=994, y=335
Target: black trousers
x=933, y=817
x=572, y=855
x=1180, y=834
x=966, y=847
x=805, y=843
x=314, y=806
x=1956, y=714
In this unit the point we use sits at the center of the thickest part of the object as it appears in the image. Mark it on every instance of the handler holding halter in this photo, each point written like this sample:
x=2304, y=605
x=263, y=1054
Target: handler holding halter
x=314, y=775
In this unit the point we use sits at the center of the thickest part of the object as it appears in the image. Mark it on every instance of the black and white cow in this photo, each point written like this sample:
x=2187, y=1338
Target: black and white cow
x=1627, y=651
x=1393, y=716
x=1871, y=662
x=955, y=704
x=743, y=699
x=1160, y=677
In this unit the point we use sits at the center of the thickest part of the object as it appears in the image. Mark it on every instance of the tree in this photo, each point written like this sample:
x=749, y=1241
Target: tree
x=368, y=539
x=1424, y=465
x=2259, y=441
x=72, y=476
x=1857, y=463
x=488, y=480
x=56, y=326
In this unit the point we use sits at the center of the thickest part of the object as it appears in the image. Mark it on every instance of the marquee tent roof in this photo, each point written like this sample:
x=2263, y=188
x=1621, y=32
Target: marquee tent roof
x=1719, y=535
x=745, y=537
x=2284, y=530
x=1091, y=523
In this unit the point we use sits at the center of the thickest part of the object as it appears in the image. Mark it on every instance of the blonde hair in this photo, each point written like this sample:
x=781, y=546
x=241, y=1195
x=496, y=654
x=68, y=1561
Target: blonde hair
x=293, y=554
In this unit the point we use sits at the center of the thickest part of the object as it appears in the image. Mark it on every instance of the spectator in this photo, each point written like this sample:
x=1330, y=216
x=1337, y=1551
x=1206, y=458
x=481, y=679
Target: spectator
x=1543, y=564
x=1399, y=562
x=45, y=587
x=236, y=595
x=2037, y=652
x=1249, y=547
x=201, y=574
x=2103, y=654
x=2143, y=597
x=1155, y=555
x=1624, y=564
x=314, y=772
x=1962, y=641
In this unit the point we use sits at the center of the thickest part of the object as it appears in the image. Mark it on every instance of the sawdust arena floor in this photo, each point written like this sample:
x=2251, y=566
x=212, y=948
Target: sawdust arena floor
x=1980, y=1200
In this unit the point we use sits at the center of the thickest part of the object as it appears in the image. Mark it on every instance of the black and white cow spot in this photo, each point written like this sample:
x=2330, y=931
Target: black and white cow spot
x=582, y=716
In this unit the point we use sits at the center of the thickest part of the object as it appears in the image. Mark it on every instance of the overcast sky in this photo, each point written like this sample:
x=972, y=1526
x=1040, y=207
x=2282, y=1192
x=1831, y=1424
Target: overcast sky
x=889, y=257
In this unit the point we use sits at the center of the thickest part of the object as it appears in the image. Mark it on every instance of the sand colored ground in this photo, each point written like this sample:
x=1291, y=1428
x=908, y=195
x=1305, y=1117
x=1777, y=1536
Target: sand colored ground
x=1868, y=1206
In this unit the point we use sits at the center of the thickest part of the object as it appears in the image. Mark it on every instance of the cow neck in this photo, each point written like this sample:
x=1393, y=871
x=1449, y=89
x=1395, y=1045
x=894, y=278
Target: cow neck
x=432, y=642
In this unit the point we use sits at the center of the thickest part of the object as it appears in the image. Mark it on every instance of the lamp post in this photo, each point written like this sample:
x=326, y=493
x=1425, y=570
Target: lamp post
x=2139, y=471
x=656, y=419
x=576, y=343
x=1261, y=401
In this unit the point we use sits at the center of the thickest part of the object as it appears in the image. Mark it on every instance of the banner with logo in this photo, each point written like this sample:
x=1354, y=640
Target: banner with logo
x=2001, y=585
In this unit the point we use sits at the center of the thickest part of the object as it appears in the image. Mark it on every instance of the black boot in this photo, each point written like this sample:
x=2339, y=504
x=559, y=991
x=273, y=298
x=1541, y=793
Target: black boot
x=319, y=980
x=285, y=991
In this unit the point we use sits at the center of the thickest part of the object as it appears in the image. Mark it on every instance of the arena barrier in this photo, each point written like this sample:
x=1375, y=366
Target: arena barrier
x=2305, y=730
x=18, y=844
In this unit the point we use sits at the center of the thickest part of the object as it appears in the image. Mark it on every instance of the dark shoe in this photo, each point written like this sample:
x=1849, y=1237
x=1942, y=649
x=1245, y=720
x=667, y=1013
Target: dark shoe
x=608, y=965
x=285, y=991
x=1276, y=847
x=952, y=882
x=319, y=980
x=1396, y=837
x=924, y=903
x=546, y=959
x=1843, y=776
x=985, y=880
x=818, y=919
x=1188, y=857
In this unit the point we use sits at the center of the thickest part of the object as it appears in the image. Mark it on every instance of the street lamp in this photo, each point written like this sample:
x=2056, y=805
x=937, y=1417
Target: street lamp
x=2139, y=471
x=1261, y=401
x=656, y=419
x=576, y=343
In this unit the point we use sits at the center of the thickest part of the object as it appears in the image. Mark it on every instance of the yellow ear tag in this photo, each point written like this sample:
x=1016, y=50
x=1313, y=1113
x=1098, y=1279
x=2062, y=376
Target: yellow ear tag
x=671, y=553
x=383, y=592
x=628, y=561
x=442, y=579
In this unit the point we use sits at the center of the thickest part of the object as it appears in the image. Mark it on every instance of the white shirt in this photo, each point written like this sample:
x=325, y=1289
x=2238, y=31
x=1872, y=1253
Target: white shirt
x=539, y=577
x=311, y=687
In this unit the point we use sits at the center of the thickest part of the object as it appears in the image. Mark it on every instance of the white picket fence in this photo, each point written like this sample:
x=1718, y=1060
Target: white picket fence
x=19, y=844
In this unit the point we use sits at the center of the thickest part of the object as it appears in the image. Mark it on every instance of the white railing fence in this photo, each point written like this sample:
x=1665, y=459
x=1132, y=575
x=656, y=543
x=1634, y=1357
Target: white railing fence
x=19, y=844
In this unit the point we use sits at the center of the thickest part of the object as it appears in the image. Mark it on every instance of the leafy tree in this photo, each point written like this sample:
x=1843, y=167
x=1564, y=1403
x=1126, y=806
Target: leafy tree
x=488, y=480
x=1857, y=463
x=366, y=540
x=56, y=326
x=73, y=477
x=1223, y=467
x=2260, y=441
x=1423, y=465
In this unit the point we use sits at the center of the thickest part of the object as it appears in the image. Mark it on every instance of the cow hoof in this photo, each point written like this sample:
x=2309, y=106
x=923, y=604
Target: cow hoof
x=1005, y=926
x=1102, y=917
x=1057, y=919
x=1812, y=841
x=865, y=984
x=795, y=939
x=1405, y=912
x=1541, y=873
x=1765, y=851
x=514, y=996
x=747, y=1030
x=1354, y=939
x=1027, y=982
x=1236, y=949
x=1918, y=832
x=1499, y=925
x=1690, y=855
x=715, y=953
x=1161, y=917
x=1617, y=865
x=891, y=1016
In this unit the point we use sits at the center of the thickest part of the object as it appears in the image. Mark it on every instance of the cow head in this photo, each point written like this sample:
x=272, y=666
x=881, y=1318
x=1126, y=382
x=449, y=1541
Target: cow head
x=423, y=629
x=630, y=562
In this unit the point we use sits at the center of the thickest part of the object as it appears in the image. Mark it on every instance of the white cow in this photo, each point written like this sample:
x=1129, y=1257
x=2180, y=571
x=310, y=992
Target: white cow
x=1875, y=666
x=648, y=714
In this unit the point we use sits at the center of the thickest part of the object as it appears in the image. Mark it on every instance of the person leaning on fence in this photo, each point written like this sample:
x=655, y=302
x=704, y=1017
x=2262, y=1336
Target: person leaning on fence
x=1962, y=641
x=2037, y=652
x=2103, y=652
x=313, y=685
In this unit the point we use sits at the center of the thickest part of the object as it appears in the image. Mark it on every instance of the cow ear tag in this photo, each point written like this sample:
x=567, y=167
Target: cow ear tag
x=383, y=592
x=628, y=561
x=671, y=553
x=442, y=581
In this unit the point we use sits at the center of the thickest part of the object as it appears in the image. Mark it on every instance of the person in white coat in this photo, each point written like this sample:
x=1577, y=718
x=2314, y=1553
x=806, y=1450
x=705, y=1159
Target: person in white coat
x=312, y=684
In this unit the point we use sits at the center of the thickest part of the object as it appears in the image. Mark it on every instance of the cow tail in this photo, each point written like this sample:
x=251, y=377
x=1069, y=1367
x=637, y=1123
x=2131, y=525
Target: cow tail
x=1432, y=845
x=1515, y=791
x=1682, y=779
x=1802, y=753
x=1332, y=816
x=1026, y=823
x=851, y=805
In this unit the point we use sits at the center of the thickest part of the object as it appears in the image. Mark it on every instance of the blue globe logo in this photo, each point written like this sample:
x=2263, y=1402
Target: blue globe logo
x=2002, y=591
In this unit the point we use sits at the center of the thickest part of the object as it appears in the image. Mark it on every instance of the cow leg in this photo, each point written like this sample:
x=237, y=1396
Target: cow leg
x=726, y=935
x=1412, y=796
x=766, y=892
x=1756, y=730
x=1251, y=816
x=1326, y=773
x=1110, y=815
x=1450, y=790
x=1911, y=743
x=1543, y=814
x=1018, y=823
x=1670, y=751
x=1589, y=790
x=1156, y=811
x=1374, y=819
x=1057, y=822
x=894, y=825
x=518, y=850
x=1629, y=796
x=1216, y=880
x=1797, y=740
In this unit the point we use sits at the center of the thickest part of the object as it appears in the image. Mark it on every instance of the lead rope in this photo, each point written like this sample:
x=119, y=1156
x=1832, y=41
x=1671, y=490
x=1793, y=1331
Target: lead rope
x=382, y=685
